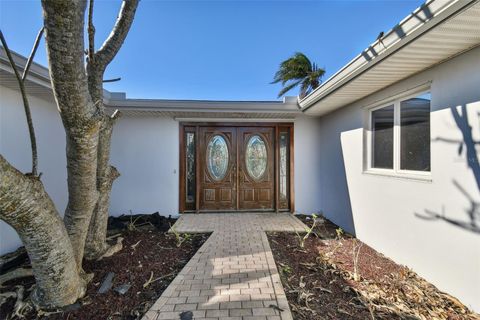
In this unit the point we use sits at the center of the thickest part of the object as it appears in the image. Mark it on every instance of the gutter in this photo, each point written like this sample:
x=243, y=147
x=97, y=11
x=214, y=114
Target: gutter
x=37, y=74
x=434, y=11
x=204, y=105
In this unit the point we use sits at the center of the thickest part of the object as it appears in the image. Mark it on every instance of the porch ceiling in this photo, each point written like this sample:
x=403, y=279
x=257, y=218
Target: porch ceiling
x=432, y=34
x=202, y=109
x=212, y=116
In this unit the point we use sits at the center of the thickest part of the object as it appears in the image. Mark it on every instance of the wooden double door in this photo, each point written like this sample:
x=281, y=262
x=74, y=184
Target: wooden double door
x=235, y=168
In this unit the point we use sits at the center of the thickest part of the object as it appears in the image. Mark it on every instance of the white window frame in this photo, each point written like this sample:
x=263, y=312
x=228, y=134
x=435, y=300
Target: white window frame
x=396, y=171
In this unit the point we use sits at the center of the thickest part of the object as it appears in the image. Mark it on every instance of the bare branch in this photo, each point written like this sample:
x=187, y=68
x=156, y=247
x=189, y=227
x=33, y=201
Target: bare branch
x=112, y=80
x=115, y=114
x=32, y=54
x=15, y=274
x=112, y=44
x=26, y=106
x=91, y=32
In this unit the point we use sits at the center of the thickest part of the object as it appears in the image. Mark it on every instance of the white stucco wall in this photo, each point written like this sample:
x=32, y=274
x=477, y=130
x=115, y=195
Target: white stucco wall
x=307, y=155
x=383, y=211
x=15, y=147
x=145, y=151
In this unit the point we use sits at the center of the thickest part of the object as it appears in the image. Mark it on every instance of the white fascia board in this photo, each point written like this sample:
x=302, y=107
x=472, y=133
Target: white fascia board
x=204, y=105
x=37, y=74
x=263, y=120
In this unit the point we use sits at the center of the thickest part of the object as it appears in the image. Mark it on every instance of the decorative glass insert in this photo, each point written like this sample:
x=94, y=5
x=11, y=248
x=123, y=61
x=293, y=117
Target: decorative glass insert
x=190, y=167
x=382, y=131
x=284, y=144
x=256, y=157
x=415, y=133
x=217, y=157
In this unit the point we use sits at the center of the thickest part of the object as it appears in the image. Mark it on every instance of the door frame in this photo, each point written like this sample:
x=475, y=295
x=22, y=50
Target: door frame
x=278, y=128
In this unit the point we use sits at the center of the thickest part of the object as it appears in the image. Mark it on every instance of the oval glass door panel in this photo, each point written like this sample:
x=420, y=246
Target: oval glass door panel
x=256, y=157
x=217, y=157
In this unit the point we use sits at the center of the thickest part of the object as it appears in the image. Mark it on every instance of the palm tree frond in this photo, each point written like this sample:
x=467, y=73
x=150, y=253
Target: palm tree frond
x=287, y=88
x=305, y=88
x=318, y=73
x=299, y=69
x=302, y=57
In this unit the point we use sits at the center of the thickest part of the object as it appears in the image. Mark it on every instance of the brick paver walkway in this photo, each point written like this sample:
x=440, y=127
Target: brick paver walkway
x=233, y=275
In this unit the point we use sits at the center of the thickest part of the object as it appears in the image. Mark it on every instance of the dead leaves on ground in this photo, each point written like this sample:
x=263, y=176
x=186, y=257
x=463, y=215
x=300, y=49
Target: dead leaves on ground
x=402, y=295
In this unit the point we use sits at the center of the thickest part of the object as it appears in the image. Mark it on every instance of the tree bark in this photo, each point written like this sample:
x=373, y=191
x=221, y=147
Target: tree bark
x=26, y=207
x=64, y=31
x=96, y=244
x=82, y=193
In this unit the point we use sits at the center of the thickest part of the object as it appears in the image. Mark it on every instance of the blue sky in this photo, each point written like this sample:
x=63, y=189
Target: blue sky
x=223, y=50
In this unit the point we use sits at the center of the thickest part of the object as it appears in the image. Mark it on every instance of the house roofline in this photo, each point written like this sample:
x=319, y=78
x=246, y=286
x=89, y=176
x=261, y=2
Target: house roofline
x=438, y=10
x=287, y=105
x=419, y=22
x=39, y=74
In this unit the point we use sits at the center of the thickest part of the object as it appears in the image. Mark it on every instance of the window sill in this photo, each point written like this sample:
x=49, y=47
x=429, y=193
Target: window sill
x=414, y=176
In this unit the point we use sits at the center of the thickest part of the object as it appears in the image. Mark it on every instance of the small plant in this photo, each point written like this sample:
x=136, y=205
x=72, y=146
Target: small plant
x=179, y=237
x=340, y=233
x=308, y=231
x=338, y=243
x=303, y=294
x=357, y=245
x=131, y=226
x=285, y=269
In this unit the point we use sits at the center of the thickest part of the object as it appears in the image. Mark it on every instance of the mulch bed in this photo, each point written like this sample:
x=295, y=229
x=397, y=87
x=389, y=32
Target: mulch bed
x=321, y=283
x=148, y=253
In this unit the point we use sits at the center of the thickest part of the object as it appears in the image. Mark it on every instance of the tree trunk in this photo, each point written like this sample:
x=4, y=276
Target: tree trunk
x=96, y=245
x=64, y=32
x=26, y=207
x=82, y=192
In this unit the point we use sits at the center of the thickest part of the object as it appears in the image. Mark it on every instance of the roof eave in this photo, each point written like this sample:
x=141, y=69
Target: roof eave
x=392, y=42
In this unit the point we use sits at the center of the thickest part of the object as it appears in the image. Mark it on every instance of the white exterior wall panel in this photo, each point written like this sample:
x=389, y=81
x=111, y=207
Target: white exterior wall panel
x=15, y=147
x=145, y=150
x=385, y=210
x=307, y=155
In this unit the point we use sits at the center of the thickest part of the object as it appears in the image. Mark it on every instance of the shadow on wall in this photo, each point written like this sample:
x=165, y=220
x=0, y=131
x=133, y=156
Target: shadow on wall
x=467, y=145
x=348, y=203
x=337, y=170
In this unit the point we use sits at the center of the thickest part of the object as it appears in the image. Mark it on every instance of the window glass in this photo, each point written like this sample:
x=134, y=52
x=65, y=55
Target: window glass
x=217, y=153
x=382, y=133
x=415, y=133
x=256, y=157
x=284, y=146
x=190, y=167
